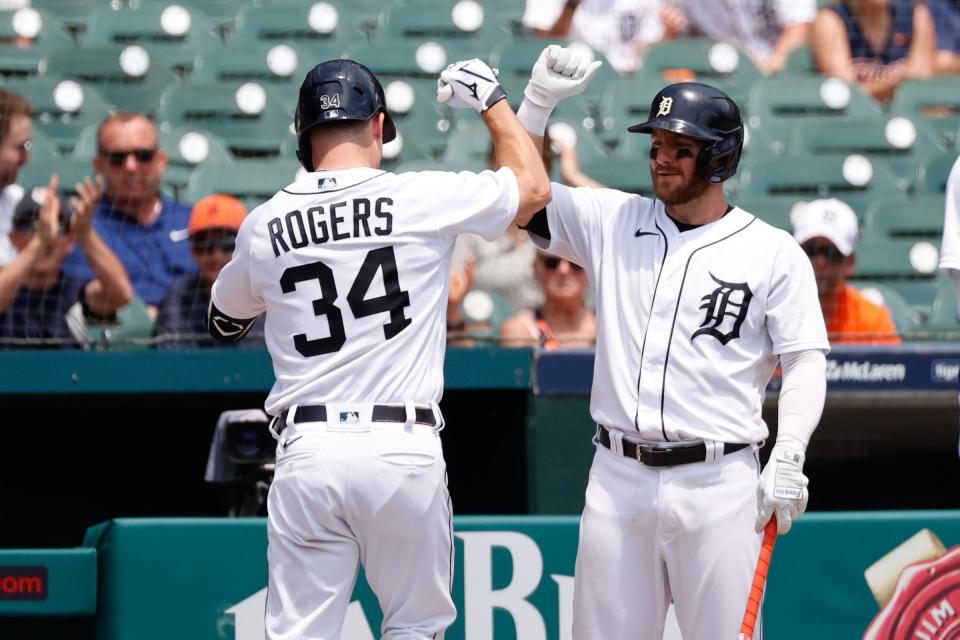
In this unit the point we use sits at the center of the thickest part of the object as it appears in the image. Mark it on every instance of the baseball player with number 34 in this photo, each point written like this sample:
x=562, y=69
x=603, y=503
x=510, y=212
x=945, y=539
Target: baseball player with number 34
x=697, y=302
x=352, y=266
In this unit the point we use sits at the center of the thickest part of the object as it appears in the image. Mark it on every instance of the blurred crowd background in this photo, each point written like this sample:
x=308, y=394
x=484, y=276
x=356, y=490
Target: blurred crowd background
x=185, y=110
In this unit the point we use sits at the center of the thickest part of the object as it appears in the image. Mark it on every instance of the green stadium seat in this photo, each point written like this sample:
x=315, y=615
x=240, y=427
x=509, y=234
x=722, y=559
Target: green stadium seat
x=935, y=100
x=719, y=64
x=778, y=102
x=265, y=62
x=800, y=60
x=218, y=12
x=419, y=64
x=771, y=209
x=133, y=329
x=943, y=310
x=70, y=171
x=811, y=177
x=934, y=173
x=613, y=172
x=626, y=102
x=61, y=107
x=174, y=34
x=317, y=27
x=42, y=149
x=248, y=117
x=875, y=138
x=134, y=89
x=253, y=182
x=905, y=316
x=426, y=124
x=26, y=35
x=427, y=21
x=918, y=217
x=906, y=265
x=487, y=308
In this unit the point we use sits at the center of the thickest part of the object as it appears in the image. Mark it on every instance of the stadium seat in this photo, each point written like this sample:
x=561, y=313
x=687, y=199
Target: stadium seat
x=174, y=34
x=318, y=27
x=905, y=316
x=771, y=209
x=26, y=35
x=263, y=62
x=776, y=103
x=425, y=20
x=943, y=311
x=810, y=177
x=250, y=119
x=626, y=101
x=918, y=217
x=800, y=60
x=218, y=12
x=906, y=265
x=72, y=14
x=69, y=170
x=936, y=101
x=719, y=64
x=613, y=172
x=61, y=108
x=489, y=308
x=117, y=72
x=42, y=148
x=899, y=143
x=934, y=173
x=253, y=182
x=132, y=330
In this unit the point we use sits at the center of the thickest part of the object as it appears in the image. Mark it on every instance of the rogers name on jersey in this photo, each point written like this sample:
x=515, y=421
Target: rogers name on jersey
x=319, y=224
x=865, y=371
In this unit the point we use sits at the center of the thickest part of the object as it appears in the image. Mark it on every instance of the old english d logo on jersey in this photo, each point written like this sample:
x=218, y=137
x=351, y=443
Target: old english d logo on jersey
x=726, y=307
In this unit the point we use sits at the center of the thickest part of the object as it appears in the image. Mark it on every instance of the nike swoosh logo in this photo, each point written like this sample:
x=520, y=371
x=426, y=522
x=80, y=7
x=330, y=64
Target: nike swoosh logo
x=178, y=235
x=644, y=233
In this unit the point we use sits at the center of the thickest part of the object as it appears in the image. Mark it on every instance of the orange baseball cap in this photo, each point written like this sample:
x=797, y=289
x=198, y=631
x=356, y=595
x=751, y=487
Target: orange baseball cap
x=216, y=212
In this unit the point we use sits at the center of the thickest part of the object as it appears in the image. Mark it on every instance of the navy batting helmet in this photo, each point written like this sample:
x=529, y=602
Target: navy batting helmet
x=338, y=90
x=700, y=111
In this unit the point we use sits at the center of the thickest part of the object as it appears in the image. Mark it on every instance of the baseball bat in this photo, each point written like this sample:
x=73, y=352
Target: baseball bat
x=759, y=580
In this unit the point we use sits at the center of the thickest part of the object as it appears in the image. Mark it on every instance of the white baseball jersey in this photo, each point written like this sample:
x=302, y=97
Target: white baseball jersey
x=614, y=27
x=689, y=325
x=352, y=268
x=950, y=246
x=754, y=25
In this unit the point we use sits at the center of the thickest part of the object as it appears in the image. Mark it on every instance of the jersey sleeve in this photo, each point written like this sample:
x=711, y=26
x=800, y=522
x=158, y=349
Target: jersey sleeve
x=541, y=14
x=950, y=245
x=482, y=203
x=794, y=318
x=575, y=220
x=795, y=11
x=232, y=293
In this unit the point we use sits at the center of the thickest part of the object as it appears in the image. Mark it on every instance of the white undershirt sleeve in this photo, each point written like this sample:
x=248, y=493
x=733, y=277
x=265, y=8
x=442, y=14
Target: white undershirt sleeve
x=801, y=396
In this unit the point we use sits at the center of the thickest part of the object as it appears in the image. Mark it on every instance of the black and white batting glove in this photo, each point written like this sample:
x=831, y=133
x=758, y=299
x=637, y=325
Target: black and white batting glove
x=783, y=488
x=559, y=73
x=469, y=83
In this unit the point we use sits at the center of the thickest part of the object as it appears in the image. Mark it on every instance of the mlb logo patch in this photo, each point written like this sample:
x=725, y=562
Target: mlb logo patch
x=350, y=416
x=333, y=113
x=327, y=183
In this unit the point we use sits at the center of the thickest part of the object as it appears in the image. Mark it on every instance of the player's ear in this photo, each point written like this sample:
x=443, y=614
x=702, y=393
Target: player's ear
x=378, y=126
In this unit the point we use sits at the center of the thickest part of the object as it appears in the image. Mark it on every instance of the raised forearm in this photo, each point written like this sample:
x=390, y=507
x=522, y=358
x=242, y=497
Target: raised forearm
x=115, y=289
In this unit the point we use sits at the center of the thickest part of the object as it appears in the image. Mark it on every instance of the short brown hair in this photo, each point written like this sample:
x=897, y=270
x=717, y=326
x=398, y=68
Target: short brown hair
x=123, y=117
x=11, y=105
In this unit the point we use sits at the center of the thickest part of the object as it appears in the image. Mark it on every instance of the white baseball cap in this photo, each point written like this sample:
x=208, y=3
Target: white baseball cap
x=830, y=218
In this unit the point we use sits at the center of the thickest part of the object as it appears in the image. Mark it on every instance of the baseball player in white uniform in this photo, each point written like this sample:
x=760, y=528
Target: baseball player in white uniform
x=351, y=265
x=950, y=244
x=697, y=302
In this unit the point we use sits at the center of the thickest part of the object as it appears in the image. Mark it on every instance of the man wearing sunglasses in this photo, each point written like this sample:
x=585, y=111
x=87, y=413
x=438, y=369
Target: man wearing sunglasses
x=827, y=230
x=213, y=227
x=15, y=133
x=40, y=306
x=147, y=230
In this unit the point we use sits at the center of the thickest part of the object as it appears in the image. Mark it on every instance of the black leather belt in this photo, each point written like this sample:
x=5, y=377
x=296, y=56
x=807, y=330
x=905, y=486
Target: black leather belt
x=654, y=456
x=380, y=413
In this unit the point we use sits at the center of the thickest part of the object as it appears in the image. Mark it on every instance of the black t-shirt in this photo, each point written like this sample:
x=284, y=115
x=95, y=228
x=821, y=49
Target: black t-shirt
x=38, y=319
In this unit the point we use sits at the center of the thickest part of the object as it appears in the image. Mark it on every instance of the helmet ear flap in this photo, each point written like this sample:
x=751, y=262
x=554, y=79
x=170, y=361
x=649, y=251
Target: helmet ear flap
x=718, y=162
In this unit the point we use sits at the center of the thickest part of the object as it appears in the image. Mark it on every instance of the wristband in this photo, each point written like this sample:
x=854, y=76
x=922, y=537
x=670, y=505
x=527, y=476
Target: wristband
x=533, y=117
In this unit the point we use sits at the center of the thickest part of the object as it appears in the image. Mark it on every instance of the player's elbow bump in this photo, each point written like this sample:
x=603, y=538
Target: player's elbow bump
x=541, y=194
x=225, y=329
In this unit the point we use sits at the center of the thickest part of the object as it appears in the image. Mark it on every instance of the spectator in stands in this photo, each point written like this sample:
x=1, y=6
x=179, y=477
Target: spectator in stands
x=563, y=320
x=39, y=304
x=877, y=43
x=15, y=133
x=146, y=230
x=828, y=231
x=950, y=245
x=622, y=30
x=505, y=266
x=182, y=322
x=766, y=29
x=946, y=20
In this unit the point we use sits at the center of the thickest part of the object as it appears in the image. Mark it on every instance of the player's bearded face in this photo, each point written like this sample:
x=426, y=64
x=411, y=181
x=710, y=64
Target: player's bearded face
x=673, y=167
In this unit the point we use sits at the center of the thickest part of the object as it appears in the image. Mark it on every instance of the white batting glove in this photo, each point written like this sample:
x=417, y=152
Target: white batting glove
x=469, y=83
x=559, y=73
x=783, y=488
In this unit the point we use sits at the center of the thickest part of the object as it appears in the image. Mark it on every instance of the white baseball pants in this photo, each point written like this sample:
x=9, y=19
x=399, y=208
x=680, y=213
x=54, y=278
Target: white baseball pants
x=345, y=494
x=649, y=535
